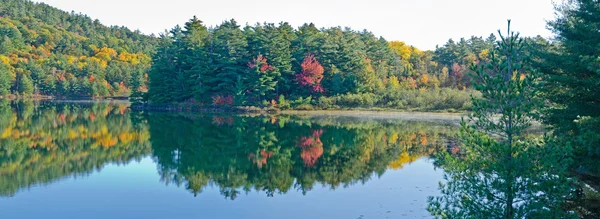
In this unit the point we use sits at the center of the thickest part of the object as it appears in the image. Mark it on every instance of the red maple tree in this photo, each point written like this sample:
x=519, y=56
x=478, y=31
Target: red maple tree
x=312, y=74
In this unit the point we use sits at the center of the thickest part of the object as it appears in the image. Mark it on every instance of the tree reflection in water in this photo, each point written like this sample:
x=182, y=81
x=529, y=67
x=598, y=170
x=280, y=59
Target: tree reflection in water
x=276, y=154
x=44, y=142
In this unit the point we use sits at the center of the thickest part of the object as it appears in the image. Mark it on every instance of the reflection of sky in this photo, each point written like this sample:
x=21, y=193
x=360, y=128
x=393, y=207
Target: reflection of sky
x=135, y=191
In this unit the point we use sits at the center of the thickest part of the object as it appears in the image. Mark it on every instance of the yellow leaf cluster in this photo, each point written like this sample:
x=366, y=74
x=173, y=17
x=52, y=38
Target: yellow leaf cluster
x=401, y=49
x=5, y=60
x=484, y=54
x=105, y=53
x=394, y=82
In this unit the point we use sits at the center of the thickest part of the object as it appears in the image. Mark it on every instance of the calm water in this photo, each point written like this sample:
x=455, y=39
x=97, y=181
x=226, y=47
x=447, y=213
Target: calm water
x=67, y=160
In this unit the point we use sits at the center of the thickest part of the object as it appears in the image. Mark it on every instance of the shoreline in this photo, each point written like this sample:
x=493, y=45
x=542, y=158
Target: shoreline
x=373, y=114
x=356, y=113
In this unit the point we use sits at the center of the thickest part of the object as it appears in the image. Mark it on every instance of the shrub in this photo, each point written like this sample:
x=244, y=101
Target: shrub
x=357, y=100
x=326, y=102
x=283, y=104
x=304, y=107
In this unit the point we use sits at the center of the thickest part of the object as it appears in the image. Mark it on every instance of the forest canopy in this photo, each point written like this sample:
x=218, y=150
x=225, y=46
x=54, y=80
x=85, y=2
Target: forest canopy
x=255, y=64
x=50, y=52
x=44, y=50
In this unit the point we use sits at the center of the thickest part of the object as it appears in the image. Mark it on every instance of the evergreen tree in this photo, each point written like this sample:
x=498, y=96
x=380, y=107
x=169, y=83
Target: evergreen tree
x=137, y=85
x=342, y=53
x=161, y=75
x=194, y=58
x=272, y=43
x=229, y=58
x=504, y=174
x=26, y=86
x=262, y=79
x=286, y=58
x=572, y=79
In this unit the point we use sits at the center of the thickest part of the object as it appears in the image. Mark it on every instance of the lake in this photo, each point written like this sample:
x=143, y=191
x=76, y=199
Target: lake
x=101, y=160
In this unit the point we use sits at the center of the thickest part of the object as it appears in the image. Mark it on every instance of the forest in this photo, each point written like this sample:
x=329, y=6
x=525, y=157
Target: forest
x=45, y=51
x=277, y=65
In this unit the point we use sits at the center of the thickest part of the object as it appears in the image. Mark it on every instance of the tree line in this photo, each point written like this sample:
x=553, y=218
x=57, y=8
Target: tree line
x=254, y=65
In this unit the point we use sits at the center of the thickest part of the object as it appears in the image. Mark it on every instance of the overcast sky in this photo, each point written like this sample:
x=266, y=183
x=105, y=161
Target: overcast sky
x=422, y=23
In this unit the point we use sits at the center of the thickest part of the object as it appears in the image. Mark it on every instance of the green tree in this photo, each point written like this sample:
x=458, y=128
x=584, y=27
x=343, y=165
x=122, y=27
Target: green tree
x=262, y=79
x=161, y=76
x=272, y=42
x=52, y=46
x=229, y=58
x=26, y=86
x=503, y=173
x=572, y=79
x=5, y=80
x=194, y=57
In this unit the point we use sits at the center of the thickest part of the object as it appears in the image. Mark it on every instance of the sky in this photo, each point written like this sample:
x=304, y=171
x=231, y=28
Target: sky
x=421, y=23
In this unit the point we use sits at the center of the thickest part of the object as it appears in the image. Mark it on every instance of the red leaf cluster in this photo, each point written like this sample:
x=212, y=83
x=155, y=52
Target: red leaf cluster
x=261, y=62
x=312, y=74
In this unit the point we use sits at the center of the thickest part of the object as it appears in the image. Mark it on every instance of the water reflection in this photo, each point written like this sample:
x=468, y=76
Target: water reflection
x=43, y=142
x=277, y=154
x=488, y=179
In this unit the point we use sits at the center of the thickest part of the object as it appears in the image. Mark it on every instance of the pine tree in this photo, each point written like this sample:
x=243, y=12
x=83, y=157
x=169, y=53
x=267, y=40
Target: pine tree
x=272, y=43
x=286, y=58
x=572, y=79
x=162, y=82
x=342, y=53
x=503, y=174
x=229, y=58
x=194, y=58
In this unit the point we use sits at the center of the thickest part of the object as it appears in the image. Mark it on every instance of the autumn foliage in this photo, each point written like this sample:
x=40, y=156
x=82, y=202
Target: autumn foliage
x=261, y=158
x=312, y=148
x=311, y=75
x=220, y=100
x=261, y=62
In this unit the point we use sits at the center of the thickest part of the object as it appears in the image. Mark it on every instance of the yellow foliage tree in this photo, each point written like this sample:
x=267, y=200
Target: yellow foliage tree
x=401, y=49
x=393, y=82
x=484, y=54
x=106, y=53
